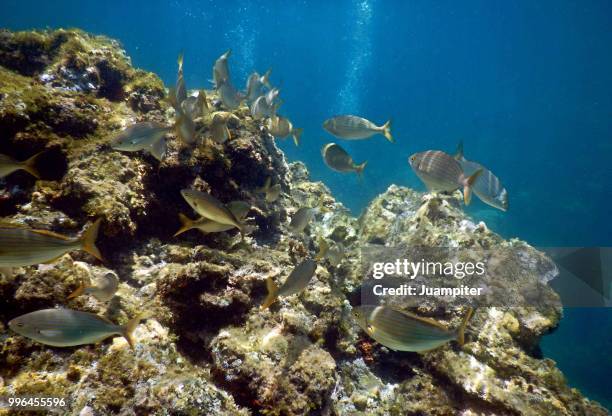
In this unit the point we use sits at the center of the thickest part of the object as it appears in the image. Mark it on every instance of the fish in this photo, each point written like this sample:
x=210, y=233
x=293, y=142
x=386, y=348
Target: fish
x=9, y=165
x=333, y=253
x=230, y=97
x=255, y=84
x=336, y=158
x=356, y=128
x=218, y=127
x=279, y=126
x=300, y=219
x=205, y=225
x=272, y=192
x=210, y=207
x=181, y=90
x=185, y=129
x=404, y=331
x=221, y=69
x=295, y=283
x=441, y=172
x=265, y=105
x=104, y=291
x=21, y=246
x=68, y=327
x=487, y=187
x=147, y=136
x=196, y=107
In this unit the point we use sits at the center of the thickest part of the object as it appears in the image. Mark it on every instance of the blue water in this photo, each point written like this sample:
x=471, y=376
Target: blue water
x=527, y=85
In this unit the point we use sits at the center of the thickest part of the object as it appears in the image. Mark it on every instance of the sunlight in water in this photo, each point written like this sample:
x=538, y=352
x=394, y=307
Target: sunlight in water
x=359, y=58
x=243, y=39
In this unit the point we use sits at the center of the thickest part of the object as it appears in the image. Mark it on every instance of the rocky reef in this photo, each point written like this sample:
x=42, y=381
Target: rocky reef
x=207, y=346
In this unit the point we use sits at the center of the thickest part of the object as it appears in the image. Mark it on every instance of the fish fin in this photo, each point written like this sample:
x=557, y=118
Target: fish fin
x=79, y=290
x=128, y=329
x=265, y=79
x=89, y=237
x=180, y=61
x=461, y=331
x=459, y=152
x=51, y=234
x=8, y=272
x=359, y=169
x=297, y=134
x=467, y=188
x=423, y=319
x=158, y=149
x=30, y=165
x=228, y=133
x=272, y=293
x=386, y=130
x=186, y=224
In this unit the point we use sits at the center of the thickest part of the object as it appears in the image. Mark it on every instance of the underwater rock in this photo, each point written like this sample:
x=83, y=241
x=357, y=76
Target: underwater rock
x=208, y=347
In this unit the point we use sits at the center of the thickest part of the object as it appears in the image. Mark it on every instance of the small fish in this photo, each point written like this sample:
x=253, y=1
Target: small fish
x=210, y=207
x=147, y=136
x=255, y=84
x=21, y=246
x=196, y=107
x=265, y=105
x=295, y=283
x=272, y=192
x=279, y=126
x=67, y=327
x=441, y=172
x=300, y=219
x=356, y=128
x=230, y=97
x=336, y=158
x=218, y=127
x=205, y=225
x=185, y=129
x=221, y=69
x=9, y=165
x=487, y=187
x=104, y=291
x=404, y=331
x=333, y=253
x=181, y=91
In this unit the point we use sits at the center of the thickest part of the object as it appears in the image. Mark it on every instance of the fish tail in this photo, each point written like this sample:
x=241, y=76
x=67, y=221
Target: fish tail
x=128, y=329
x=459, y=153
x=84, y=284
x=466, y=320
x=186, y=224
x=272, y=293
x=386, y=129
x=467, y=188
x=297, y=134
x=89, y=237
x=359, y=168
x=180, y=61
x=30, y=165
x=265, y=79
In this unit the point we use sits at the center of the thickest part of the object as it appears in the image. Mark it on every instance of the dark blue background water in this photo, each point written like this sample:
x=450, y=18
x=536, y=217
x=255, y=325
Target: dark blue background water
x=527, y=85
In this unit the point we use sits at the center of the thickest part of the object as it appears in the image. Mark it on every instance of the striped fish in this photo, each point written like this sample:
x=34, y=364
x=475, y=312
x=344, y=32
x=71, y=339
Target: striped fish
x=300, y=219
x=20, y=246
x=487, y=187
x=67, y=327
x=205, y=225
x=356, y=128
x=441, y=172
x=147, y=136
x=9, y=165
x=210, y=207
x=404, y=331
x=295, y=283
x=336, y=158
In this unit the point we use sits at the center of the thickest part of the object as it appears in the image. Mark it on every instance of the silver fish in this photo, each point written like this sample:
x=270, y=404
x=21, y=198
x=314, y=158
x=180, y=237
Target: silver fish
x=404, y=331
x=265, y=105
x=279, y=126
x=104, y=290
x=255, y=85
x=9, y=165
x=334, y=253
x=210, y=207
x=336, y=158
x=219, y=131
x=147, y=136
x=221, y=69
x=205, y=225
x=441, y=172
x=300, y=219
x=230, y=97
x=272, y=192
x=196, y=107
x=185, y=129
x=356, y=128
x=295, y=283
x=181, y=90
x=67, y=327
x=487, y=187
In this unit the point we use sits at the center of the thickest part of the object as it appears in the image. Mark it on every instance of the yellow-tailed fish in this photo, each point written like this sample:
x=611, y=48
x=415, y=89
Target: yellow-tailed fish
x=272, y=192
x=300, y=219
x=219, y=132
x=356, y=128
x=205, y=225
x=441, y=172
x=295, y=283
x=265, y=105
x=104, y=290
x=279, y=126
x=67, y=327
x=255, y=84
x=181, y=91
x=487, y=187
x=147, y=136
x=210, y=207
x=404, y=331
x=9, y=165
x=185, y=129
x=20, y=246
x=336, y=158
x=221, y=69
